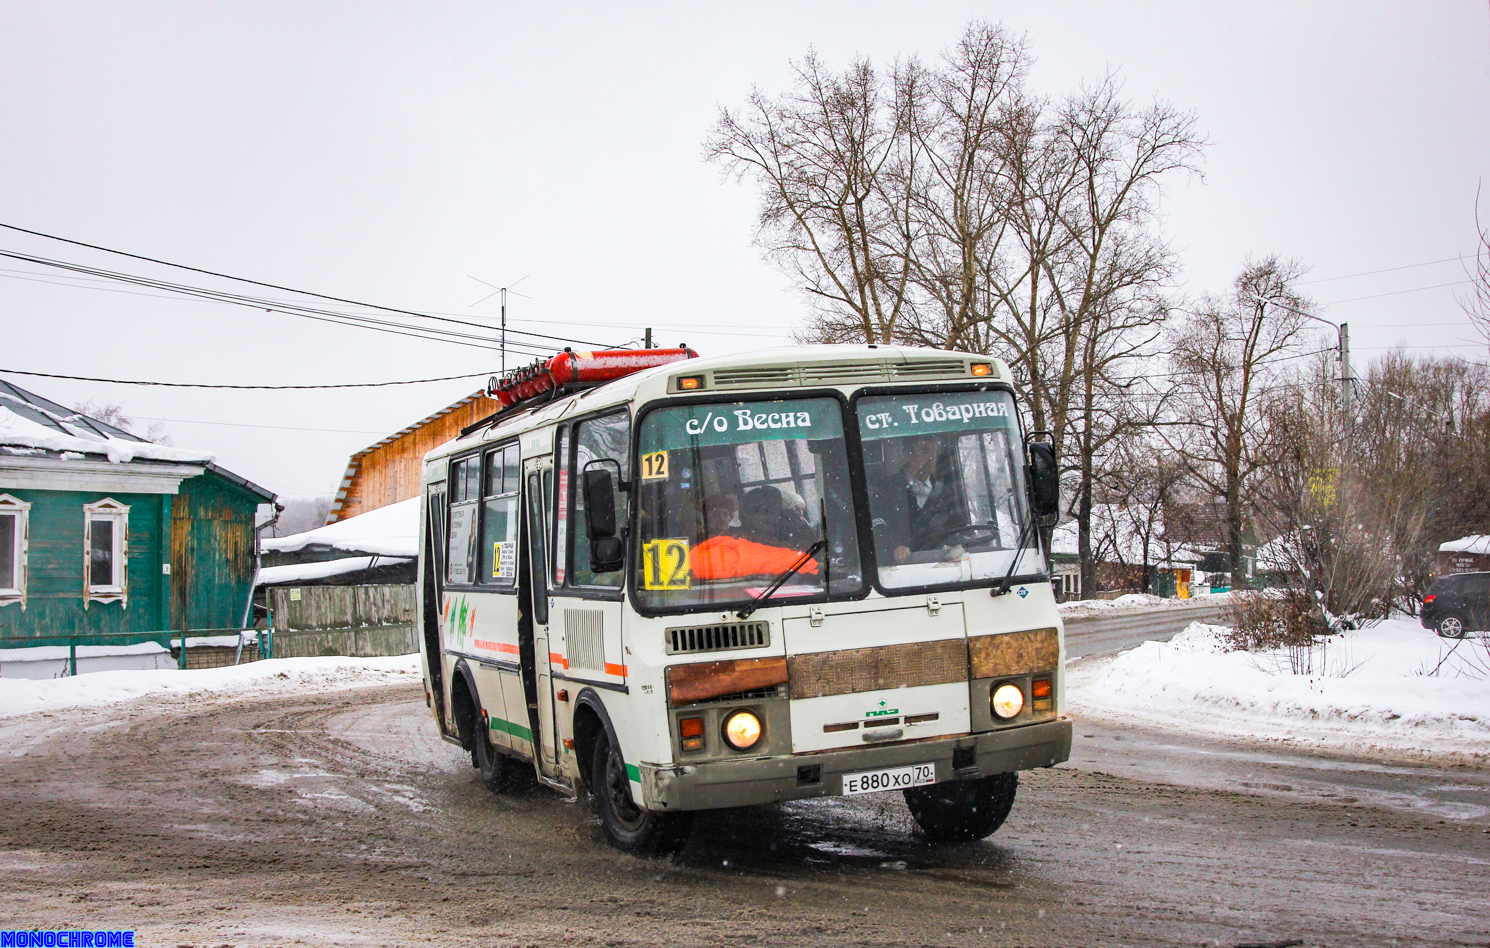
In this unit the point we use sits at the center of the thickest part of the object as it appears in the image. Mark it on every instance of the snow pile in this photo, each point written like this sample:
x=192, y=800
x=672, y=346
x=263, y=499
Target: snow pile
x=25, y=433
x=387, y=531
x=1133, y=602
x=1372, y=689
x=21, y=696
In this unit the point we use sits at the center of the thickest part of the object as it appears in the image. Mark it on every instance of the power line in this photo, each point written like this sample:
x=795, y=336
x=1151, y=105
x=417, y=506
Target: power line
x=1410, y=266
x=272, y=286
x=293, y=309
x=274, y=388
x=239, y=424
x=1419, y=289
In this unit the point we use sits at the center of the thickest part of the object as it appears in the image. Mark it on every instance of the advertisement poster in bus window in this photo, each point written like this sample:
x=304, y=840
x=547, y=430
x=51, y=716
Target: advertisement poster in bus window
x=462, y=542
x=721, y=423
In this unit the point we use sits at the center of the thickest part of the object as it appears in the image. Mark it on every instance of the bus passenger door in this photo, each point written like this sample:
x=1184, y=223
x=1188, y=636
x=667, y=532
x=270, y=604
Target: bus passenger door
x=538, y=494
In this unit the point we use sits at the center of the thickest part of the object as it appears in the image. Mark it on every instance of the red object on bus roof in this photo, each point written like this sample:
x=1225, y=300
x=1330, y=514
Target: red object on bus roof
x=574, y=365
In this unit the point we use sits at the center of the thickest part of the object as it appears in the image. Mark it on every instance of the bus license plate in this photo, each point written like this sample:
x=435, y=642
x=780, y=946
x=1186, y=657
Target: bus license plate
x=892, y=778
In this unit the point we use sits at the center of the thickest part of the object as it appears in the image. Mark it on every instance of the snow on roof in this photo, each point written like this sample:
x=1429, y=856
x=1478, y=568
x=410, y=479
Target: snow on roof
x=304, y=572
x=386, y=531
x=29, y=421
x=1473, y=544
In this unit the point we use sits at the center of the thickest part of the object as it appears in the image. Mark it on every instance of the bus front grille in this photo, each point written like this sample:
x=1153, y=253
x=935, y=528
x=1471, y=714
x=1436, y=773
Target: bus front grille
x=718, y=638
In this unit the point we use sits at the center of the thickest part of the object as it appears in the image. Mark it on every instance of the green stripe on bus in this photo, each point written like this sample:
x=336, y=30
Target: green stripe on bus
x=507, y=727
x=633, y=774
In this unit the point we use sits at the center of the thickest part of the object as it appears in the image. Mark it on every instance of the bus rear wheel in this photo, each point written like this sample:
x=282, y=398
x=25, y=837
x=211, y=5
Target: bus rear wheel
x=628, y=826
x=961, y=811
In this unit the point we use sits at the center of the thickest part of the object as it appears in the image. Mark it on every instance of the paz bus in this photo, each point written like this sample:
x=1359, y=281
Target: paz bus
x=684, y=583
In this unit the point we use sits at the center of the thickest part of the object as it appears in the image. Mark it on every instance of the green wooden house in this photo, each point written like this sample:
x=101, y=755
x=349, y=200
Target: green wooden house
x=105, y=535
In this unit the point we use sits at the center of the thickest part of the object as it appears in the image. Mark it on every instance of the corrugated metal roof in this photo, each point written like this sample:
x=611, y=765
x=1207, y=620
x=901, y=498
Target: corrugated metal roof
x=70, y=422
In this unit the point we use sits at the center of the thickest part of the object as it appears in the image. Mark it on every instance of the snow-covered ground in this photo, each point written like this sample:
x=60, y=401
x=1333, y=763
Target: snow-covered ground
x=1395, y=688
x=19, y=696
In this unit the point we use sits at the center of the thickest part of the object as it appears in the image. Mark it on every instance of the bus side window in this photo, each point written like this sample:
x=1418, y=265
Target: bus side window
x=538, y=555
x=499, y=517
x=465, y=506
x=607, y=438
x=560, y=506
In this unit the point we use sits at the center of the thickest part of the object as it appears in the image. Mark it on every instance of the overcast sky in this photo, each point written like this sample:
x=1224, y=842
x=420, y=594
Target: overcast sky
x=388, y=152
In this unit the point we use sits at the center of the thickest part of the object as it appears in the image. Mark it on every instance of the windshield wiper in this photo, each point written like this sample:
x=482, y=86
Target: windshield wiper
x=1003, y=587
x=776, y=583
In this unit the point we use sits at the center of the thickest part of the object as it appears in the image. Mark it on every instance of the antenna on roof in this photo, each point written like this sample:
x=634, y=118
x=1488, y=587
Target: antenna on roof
x=503, y=291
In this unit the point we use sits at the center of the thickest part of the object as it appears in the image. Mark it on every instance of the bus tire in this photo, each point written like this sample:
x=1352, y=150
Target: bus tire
x=627, y=826
x=961, y=811
x=491, y=765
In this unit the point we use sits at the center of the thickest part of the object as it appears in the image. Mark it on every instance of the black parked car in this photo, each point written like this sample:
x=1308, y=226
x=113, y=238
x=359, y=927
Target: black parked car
x=1458, y=603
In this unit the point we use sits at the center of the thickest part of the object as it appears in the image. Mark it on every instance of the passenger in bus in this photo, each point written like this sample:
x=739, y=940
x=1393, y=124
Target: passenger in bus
x=721, y=515
x=918, y=509
x=770, y=536
x=769, y=517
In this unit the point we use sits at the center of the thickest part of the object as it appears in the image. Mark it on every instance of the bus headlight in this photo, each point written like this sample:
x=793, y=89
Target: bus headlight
x=1007, y=701
x=742, y=730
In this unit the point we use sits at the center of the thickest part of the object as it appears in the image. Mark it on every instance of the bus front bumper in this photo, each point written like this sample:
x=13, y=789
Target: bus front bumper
x=747, y=782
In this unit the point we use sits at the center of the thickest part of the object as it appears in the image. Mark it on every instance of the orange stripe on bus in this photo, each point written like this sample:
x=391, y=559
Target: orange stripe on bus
x=615, y=669
x=555, y=658
x=496, y=647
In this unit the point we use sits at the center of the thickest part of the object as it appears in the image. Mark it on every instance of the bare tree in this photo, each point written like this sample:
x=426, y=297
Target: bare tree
x=949, y=207
x=112, y=413
x=1346, y=516
x=1144, y=480
x=1225, y=355
x=834, y=161
x=1477, y=303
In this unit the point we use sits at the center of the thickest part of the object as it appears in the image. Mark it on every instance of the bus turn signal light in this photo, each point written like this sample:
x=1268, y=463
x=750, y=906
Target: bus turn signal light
x=691, y=730
x=980, y=368
x=1043, y=694
x=691, y=383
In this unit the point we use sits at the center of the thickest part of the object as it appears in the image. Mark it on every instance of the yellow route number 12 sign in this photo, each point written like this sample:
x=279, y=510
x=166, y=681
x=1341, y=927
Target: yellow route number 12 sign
x=665, y=565
x=654, y=466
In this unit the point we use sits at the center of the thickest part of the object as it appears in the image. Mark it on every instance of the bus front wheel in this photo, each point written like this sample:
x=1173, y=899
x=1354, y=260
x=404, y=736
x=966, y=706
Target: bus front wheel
x=628, y=826
x=961, y=811
x=491, y=765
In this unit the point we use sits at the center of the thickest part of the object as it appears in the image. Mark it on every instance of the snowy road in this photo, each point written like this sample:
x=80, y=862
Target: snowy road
x=1109, y=631
x=338, y=818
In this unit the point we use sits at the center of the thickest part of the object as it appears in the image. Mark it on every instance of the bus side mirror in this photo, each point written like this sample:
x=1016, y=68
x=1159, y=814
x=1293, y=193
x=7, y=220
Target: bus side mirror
x=1045, y=481
x=606, y=549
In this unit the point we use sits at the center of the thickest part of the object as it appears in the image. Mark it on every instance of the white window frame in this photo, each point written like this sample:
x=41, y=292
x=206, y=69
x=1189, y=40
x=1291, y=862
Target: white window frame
x=13, y=587
x=111, y=510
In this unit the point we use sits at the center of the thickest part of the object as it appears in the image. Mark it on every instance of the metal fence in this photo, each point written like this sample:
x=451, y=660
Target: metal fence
x=342, y=620
x=61, y=656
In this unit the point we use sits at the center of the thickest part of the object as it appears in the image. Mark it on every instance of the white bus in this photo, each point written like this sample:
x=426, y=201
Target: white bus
x=718, y=582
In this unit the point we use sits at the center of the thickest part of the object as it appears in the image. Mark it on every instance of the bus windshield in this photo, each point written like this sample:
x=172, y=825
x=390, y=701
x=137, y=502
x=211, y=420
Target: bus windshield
x=946, y=496
x=733, y=494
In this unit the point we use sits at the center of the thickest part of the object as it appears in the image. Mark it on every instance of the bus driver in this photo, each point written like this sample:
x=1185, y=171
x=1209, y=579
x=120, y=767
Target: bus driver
x=919, y=508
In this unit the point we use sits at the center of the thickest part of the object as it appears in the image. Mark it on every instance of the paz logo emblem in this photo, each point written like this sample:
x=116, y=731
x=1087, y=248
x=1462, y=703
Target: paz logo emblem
x=1023, y=592
x=881, y=711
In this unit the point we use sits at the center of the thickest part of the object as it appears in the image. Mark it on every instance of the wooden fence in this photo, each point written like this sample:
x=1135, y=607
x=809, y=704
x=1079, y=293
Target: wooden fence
x=342, y=620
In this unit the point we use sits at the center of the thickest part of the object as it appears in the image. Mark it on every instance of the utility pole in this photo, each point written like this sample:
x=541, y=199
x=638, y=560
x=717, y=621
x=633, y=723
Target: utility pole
x=648, y=337
x=1347, y=381
x=504, y=330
